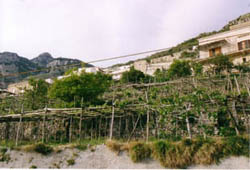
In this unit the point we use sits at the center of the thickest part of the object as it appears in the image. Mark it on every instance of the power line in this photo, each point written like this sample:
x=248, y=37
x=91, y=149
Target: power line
x=90, y=62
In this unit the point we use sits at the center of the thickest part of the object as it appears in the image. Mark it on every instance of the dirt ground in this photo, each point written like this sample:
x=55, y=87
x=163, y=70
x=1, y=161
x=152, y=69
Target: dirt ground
x=102, y=158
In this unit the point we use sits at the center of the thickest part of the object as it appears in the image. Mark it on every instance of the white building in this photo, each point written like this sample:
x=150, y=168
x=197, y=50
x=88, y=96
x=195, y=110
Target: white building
x=85, y=69
x=116, y=72
x=234, y=43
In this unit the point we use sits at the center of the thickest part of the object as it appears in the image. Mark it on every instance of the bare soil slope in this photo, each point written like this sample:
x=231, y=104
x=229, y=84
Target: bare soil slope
x=101, y=157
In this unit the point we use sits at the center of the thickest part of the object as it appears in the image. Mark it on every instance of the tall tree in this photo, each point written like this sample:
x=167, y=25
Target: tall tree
x=86, y=86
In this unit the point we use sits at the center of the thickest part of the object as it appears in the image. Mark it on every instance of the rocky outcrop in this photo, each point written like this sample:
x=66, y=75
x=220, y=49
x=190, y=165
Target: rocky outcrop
x=11, y=65
x=43, y=59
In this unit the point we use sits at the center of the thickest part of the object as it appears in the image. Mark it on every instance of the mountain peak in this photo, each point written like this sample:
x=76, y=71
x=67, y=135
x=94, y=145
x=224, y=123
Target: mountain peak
x=43, y=59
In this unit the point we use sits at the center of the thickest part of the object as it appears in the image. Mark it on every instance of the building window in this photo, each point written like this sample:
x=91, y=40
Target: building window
x=215, y=51
x=244, y=60
x=244, y=45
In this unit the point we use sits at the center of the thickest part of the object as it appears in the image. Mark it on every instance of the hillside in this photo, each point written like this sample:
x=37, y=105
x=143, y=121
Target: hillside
x=187, y=45
x=11, y=64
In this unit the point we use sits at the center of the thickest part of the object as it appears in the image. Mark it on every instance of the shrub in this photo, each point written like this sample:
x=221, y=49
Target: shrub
x=4, y=157
x=71, y=162
x=114, y=146
x=43, y=149
x=33, y=167
x=179, y=69
x=81, y=147
x=209, y=153
x=159, y=150
x=236, y=146
x=222, y=63
x=132, y=76
x=3, y=150
x=139, y=151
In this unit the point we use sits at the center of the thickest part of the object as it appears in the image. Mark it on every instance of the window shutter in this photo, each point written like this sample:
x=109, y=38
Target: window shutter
x=240, y=46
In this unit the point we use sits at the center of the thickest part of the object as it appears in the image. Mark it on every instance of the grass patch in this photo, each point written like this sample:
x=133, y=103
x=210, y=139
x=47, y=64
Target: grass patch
x=187, y=152
x=33, y=167
x=236, y=146
x=43, y=149
x=3, y=150
x=71, y=162
x=115, y=146
x=39, y=148
x=139, y=151
x=81, y=147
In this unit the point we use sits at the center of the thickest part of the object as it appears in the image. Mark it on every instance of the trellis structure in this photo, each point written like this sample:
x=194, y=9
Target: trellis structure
x=136, y=115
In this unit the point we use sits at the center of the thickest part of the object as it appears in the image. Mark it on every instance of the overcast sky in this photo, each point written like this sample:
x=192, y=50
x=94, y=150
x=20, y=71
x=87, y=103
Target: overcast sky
x=97, y=29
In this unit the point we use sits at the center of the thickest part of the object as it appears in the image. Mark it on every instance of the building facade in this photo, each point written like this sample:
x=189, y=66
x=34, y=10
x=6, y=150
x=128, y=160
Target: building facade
x=234, y=43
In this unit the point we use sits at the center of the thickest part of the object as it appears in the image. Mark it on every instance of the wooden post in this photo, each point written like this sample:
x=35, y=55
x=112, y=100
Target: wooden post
x=248, y=91
x=70, y=129
x=112, y=119
x=188, y=124
x=134, y=128
x=235, y=118
x=120, y=124
x=237, y=85
x=80, y=123
x=146, y=93
x=44, y=119
x=100, y=126
x=19, y=126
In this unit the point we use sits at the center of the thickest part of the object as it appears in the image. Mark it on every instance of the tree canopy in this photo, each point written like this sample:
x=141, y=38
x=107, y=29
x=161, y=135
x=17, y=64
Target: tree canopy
x=132, y=76
x=86, y=86
x=179, y=68
x=37, y=95
x=222, y=63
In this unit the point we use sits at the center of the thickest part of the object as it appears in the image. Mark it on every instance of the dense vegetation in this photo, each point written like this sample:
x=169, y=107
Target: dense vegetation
x=86, y=87
x=185, y=113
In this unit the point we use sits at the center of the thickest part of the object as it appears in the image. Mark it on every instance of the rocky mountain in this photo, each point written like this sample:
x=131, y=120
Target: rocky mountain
x=43, y=59
x=11, y=65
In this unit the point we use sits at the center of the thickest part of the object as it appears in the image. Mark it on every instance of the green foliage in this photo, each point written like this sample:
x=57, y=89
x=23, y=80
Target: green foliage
x=236, y=146
x=139, y=151
x=4, y=157
x=186, y=54
x=222, y=63
x=70, y=71
x=36, y=97
x=197, y=68
x=132, y=76
x=243, y=68
x=179, y=69
x=71, y=162
x=190, y=151
x=161, y=75
x=81, y=147
x=33, y=167
x=87, y=86
x=43, y=149
x=180, y=47
x=160, y=148
x=3, y=150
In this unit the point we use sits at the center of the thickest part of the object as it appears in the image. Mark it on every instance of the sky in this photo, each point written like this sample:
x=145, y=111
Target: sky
x=96, y=29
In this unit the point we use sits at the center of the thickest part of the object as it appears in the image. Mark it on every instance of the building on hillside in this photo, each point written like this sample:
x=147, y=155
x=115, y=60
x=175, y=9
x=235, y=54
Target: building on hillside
x=234, y=43
x=156, y=63
x=18, y=88
x=49, y=80
x=4, y=93
x=116, y=72
x=80, y=70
